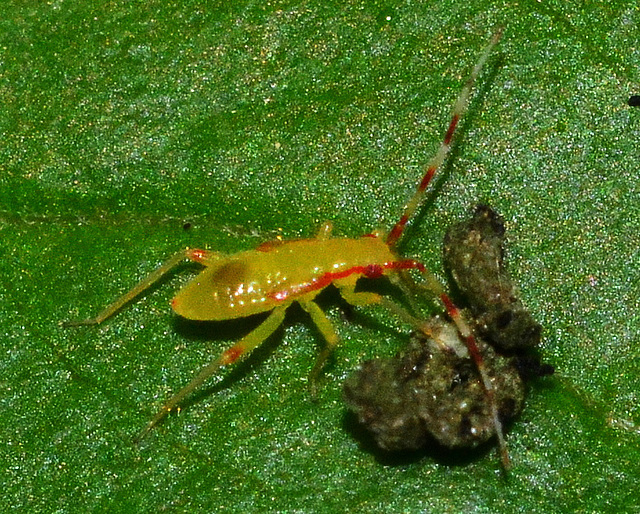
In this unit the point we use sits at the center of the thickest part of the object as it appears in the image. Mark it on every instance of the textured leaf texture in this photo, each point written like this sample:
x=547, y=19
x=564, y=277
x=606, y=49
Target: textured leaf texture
x=131, y=130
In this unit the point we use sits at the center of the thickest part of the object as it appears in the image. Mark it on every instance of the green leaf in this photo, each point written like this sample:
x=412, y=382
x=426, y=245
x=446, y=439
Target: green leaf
x=131, y=130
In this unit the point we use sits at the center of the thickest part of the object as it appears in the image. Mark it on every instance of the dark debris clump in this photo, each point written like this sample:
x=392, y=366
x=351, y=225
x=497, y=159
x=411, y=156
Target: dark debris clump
x=432, y=391
x=426, y=393
x=474, y=256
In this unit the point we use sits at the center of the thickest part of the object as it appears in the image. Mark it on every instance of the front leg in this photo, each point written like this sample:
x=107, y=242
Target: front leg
x=326, y=329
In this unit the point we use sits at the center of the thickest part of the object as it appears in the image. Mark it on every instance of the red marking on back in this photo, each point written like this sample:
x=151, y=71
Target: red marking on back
x=452, y=129
x=197, y=255
x=280, y=296
x=231, y=355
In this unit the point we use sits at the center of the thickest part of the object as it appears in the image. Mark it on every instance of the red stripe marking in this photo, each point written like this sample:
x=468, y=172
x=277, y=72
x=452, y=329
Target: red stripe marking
x=369, y=271
x=474, y=351
x=231, y=355
x=452, y=129
x=396, y=231
x=427, y=179
x=449, y=305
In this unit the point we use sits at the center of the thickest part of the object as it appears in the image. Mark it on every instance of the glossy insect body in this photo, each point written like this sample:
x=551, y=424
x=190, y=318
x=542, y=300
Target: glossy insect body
x=279, y=274
x=276, y=274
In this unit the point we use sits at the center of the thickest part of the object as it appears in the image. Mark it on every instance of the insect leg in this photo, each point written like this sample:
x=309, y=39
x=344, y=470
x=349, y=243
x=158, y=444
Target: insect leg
x=326, y=329
x=432, y=284
x=362, y=298
x=324, y=231
x=237, y=352
x=202, y=256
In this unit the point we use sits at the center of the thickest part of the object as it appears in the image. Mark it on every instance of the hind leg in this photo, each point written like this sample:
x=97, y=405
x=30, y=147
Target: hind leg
x=204, y=257
x=237, y=352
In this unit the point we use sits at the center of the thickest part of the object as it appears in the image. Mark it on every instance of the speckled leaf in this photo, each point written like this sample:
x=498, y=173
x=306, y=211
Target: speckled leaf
x=133, y=129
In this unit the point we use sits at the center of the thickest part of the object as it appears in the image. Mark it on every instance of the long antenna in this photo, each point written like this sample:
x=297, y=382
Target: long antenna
x=459, y=109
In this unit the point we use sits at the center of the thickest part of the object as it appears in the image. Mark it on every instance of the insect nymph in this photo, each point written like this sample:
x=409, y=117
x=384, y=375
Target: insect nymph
x=277, y=274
